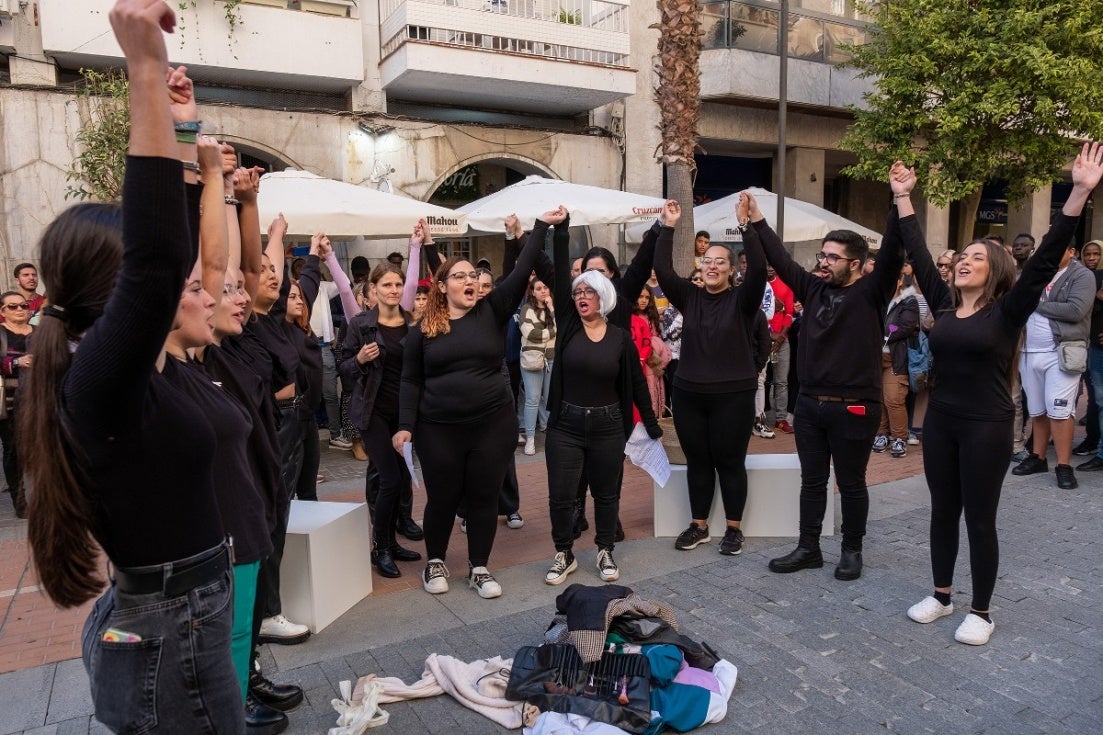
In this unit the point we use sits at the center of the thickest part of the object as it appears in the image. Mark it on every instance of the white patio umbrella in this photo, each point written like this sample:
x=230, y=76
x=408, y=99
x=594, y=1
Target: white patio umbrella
x=530, y=198
x=313, y=203
x=803, y=221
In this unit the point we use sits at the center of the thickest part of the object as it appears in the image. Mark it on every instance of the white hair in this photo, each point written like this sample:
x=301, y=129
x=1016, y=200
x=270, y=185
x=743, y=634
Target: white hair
x=606, y=294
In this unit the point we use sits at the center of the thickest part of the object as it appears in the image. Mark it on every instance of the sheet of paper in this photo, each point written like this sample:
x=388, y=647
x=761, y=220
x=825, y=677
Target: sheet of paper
x=648, y=454
x=408, y=455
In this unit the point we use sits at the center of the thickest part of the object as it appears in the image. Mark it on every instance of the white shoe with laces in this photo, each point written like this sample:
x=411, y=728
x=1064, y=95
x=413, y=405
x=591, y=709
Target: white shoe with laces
x=278, y=629
x=484, y=583
x=563, y=564
x=974, y=630
x=435, y=577
x=929, y=610
x=530, y=446
x=607, y=568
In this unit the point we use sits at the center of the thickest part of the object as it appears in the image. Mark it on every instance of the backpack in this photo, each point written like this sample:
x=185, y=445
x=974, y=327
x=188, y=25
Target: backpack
x=919, y=362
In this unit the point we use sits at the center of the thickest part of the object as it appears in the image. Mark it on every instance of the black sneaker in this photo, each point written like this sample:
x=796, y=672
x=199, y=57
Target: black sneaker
x=1085, y=448
x=692, y=537
x=1031, y=465
x=732, y=545
x=1066, y=479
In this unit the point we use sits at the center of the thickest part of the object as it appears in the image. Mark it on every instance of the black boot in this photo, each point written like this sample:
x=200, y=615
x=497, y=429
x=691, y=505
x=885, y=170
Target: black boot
x=410, y=530
x=282, y=697
x=400, y=553
x=850, y=565
x=800, y=558
x=382, y=560
x=263, y=720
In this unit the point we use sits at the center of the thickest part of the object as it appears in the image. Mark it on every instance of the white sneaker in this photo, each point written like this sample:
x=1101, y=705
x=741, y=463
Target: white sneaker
x=974, y=630
x=607, y=568
x=435, y=577
x=484, y=583
x=530, y=446
x=278, y=629
x=929, y=610
x=520, y=438
x=563, y=564
x=515, y=521
x=761, y=430
x=913, y=440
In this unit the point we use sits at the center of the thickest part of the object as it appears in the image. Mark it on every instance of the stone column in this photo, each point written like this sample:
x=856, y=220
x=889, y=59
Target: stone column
x=1030, y=215
x=29, y=65
x=804, y=174
x=936, y=226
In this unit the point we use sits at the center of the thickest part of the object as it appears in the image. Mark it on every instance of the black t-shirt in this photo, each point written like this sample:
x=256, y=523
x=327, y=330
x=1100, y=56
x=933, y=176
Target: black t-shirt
x=308, y=379
x=386, y=400
x=591, y=369
x=272, y=330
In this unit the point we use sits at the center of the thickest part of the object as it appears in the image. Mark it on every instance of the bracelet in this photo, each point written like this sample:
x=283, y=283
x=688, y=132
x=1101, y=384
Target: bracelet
x=182, y=137
x=742, y=226
x=231, y=201
x=901, y=196
x=187, y=127
x=190, y=165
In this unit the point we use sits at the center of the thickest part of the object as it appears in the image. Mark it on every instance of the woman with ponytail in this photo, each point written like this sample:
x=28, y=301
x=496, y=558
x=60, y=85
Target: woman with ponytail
x=157, y=643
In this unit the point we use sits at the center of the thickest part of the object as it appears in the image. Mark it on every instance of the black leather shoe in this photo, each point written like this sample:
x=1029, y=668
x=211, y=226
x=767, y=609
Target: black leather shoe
x=1066, y=479
x=1031, y=465
x=399, y=553
x=282, y=697
x=263, y=720
x=850, y=565
x=794, y=561
x=382, y=560
x=410, y=530
x=1092, y=465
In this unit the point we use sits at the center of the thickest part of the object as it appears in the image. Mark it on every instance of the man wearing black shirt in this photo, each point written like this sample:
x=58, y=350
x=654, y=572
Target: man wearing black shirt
x=839, y=364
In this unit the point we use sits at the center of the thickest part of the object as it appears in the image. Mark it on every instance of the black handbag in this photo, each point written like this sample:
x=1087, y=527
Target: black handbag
x=615, y=690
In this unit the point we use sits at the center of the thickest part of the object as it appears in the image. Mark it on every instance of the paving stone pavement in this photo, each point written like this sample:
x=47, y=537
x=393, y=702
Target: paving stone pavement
x=815, y=655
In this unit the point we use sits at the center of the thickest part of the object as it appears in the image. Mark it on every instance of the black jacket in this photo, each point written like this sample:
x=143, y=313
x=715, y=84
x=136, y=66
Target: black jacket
x=367, y=377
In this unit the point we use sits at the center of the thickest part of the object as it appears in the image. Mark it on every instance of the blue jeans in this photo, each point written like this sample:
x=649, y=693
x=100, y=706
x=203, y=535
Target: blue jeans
x=179, y=678
x=1095, y=366
x=329, y=391
x=537, y=385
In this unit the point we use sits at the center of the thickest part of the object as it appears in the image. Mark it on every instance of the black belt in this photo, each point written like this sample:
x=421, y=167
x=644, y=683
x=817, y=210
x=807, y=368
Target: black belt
x=837, y=399
x=583, y=410
x=177, y=581
x=290, y=402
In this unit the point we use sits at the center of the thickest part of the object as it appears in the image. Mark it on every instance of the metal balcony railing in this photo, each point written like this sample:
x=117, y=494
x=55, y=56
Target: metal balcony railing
x=819, y=30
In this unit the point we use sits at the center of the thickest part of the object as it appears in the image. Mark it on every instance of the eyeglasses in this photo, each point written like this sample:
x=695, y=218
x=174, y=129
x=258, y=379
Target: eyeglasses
x=231, y=290
x=714, y=261
x=583, y=293
x=942, y=265
x=469, y=276
x=697, y=279
x=20, y=307
x=831, y=258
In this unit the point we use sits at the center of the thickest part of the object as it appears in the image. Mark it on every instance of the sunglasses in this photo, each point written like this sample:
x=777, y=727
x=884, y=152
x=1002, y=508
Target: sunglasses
x=17, y=307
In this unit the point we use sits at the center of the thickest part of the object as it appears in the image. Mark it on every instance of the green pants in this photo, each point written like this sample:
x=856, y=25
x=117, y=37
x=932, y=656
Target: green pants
x=241, y=641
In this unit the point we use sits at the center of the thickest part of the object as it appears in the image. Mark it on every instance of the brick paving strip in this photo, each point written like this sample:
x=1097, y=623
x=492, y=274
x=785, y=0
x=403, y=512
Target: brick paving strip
x=814, y=654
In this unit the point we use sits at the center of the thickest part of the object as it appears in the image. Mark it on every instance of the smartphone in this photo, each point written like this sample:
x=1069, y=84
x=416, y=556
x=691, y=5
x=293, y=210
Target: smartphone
x=367, y=333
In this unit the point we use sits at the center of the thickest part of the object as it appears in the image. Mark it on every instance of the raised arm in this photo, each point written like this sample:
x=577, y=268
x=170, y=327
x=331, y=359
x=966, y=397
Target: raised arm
x=344, y=287
x=788, y=270
x=660, y=238
x=1021, y=301
x=638, y=272
x=505, y=298
x=413, y=263
x=249, y=235
x=754, y=280
x=214, y=249
x=310, y=279
x=905, y=225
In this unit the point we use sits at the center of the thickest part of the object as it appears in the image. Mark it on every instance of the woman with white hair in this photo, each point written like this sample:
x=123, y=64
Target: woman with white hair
x=596, y=378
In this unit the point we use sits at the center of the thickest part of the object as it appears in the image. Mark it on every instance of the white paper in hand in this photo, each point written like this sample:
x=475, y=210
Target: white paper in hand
x=408, y=455
x=648, y=454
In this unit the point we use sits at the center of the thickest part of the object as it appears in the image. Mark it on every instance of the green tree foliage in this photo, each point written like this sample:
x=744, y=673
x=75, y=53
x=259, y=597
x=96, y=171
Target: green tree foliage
x=97, y=171
x=970, y=91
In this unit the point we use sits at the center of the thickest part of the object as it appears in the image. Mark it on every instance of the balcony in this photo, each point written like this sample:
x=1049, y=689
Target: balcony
x=740, y=50
x=310, y=45
x=557, y=57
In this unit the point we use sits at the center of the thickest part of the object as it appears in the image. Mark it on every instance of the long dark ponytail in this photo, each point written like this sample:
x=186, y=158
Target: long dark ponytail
x=81, y=252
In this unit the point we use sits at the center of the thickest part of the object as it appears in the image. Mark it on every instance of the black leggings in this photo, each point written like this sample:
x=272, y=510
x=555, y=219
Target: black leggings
x=465, y=462
x=965, y=462
x=714, y=430
x=394, y=478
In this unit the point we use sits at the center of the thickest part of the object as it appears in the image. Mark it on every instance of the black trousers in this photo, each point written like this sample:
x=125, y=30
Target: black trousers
x=830, y=432
x=465, y=462
x=714, y=431
x=13, y=473
x=289, y=431
x=306, y=486
x=965, y=462
x=394, y=478
x=586, y=441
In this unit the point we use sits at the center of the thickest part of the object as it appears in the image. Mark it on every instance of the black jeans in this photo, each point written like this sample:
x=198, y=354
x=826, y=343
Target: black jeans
x=465, y=462
x=394, y=478
x=289, y=430
x=13, y=473
x=831, y=432
x=965, y=463
x=714, y=431
x=306, y=486
x=590, y=440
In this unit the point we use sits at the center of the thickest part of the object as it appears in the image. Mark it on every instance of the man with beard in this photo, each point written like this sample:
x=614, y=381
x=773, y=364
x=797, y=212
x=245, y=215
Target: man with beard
x=839, y=364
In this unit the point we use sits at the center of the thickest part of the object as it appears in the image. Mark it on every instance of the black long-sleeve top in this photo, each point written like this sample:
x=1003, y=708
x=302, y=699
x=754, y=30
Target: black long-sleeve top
x=843, y=328
x=367, y=379
x=309, y=377
x=457, y=377
x=630, y=385
x=717, y=328
x=972, y=356
x=145, y=449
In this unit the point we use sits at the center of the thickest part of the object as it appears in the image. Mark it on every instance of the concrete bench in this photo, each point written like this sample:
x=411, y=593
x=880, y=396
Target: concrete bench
x=773, y=500
x=326, y=568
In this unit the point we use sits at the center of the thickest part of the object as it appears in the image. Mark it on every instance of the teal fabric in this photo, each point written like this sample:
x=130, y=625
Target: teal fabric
x=241, y=637
x=681, y=707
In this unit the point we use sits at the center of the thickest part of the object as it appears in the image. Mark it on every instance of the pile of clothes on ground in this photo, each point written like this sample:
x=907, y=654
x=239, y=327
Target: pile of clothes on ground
x=611, y=662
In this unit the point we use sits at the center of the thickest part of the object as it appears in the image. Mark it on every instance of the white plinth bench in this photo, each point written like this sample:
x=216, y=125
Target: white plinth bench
x=325, y=568
x=773, y=500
